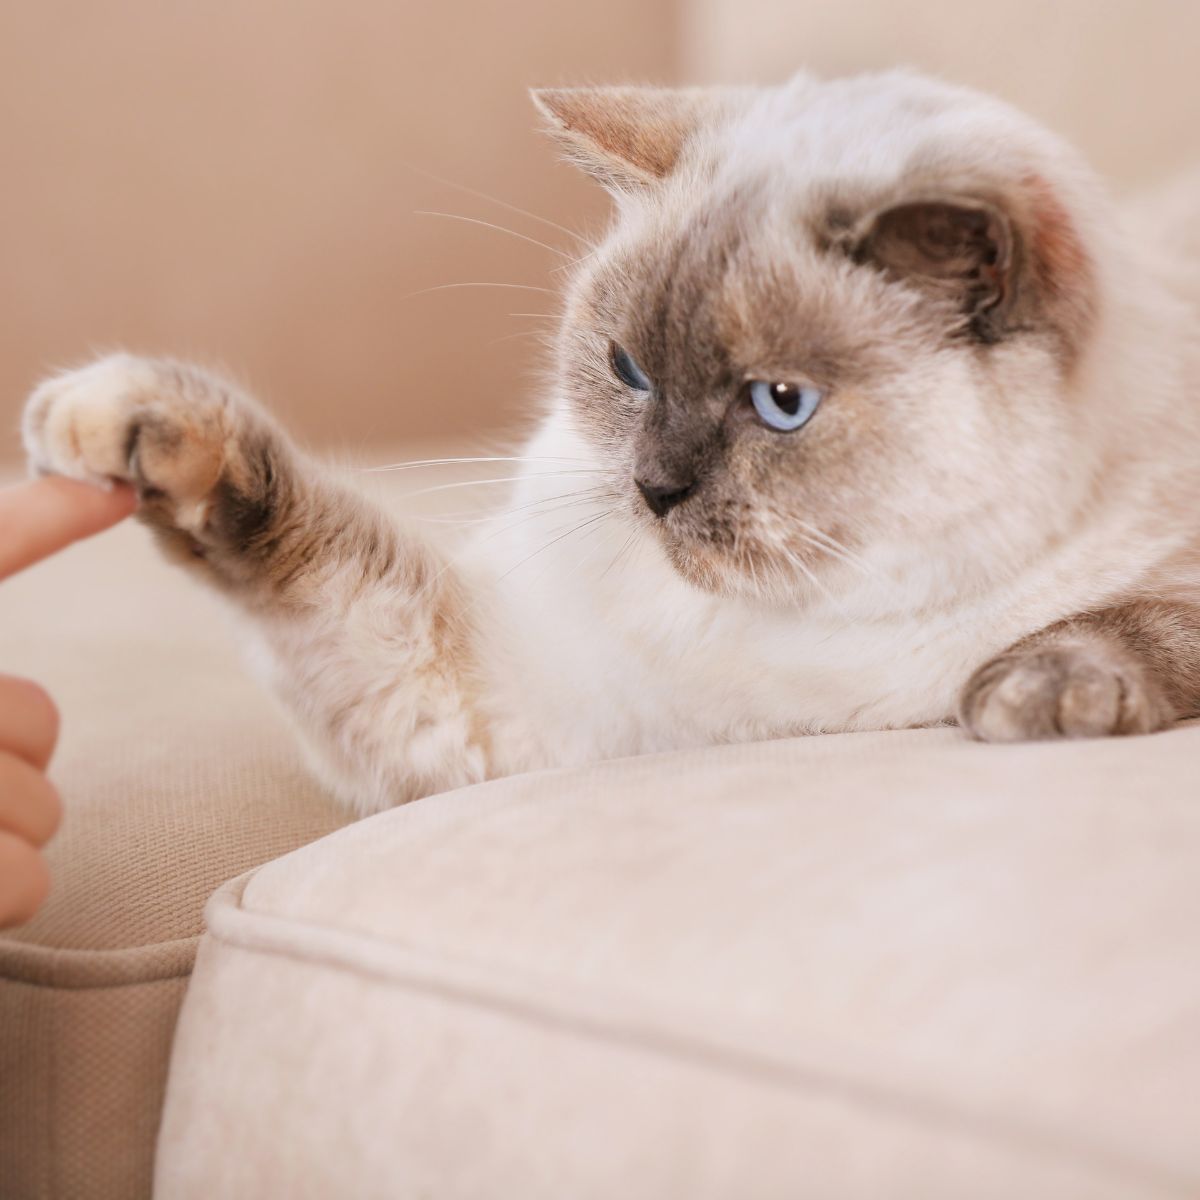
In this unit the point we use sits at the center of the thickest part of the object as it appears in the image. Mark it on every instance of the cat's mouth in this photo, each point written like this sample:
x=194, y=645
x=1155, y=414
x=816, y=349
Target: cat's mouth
x=719, y=555
x=709, y=553
x=698, y=565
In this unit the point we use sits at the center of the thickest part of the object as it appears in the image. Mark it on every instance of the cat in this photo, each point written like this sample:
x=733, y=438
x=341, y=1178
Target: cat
x=878, y=412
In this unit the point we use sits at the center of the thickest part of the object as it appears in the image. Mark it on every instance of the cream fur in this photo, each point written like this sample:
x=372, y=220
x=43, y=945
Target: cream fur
x=1033, y=494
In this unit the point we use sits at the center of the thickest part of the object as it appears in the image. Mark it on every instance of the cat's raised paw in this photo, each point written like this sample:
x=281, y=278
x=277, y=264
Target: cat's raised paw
x=77, y=423
x=162, y=427
x=1065, y=690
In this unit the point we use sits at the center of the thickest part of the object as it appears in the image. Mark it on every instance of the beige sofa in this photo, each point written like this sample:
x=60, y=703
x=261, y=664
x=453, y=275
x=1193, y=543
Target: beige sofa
x=878, y=965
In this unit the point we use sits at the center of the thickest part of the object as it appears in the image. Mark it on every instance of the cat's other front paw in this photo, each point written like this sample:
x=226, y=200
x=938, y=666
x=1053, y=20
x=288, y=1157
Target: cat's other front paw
x=1088, y=688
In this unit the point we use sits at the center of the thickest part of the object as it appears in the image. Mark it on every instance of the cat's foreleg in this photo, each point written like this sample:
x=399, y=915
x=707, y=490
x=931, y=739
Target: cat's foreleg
x=365, y=628
x=1133, y=668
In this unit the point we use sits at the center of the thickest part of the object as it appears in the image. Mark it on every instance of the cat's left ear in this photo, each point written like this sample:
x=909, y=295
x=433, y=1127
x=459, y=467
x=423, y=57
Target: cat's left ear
x=963, y=250
x=627, y=137
x=1008, y=262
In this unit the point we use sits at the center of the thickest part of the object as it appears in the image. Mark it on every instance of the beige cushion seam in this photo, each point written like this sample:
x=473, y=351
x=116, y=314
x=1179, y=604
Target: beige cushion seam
x=48, y=966
x=315, y=946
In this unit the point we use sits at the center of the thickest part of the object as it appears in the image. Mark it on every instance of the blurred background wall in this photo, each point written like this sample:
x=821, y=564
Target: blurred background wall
x=239, y=180
x=1116, y=77
x=232, y=180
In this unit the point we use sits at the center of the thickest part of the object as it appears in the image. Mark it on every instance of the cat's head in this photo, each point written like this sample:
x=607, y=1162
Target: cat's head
x=829, y=318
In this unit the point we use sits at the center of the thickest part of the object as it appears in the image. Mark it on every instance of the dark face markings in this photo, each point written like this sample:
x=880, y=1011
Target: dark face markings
x=710, y=303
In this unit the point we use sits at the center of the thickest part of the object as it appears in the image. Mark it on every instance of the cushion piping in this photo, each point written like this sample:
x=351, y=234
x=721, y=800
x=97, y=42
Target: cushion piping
x=584, y=1015
x=52, y=966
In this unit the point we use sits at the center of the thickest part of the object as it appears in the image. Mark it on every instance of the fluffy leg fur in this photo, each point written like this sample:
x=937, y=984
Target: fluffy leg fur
x=363, y=625
x=1130, y=669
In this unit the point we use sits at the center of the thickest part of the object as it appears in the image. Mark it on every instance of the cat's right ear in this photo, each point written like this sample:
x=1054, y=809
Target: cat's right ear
x=627, y=137
x=962, y=250
x=1009, y=262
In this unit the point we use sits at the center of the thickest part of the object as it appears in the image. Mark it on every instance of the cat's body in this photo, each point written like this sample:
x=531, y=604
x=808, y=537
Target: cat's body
x=994, y=514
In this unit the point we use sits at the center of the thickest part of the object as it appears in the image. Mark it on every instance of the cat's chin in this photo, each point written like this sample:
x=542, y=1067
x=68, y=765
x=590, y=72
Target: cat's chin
x=717, y=571
x=700, y=569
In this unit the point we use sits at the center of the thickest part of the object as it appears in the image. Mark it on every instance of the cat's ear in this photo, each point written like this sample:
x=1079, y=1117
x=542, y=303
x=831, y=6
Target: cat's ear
x=962, y=250
x=627, y=137
x=1003, y=263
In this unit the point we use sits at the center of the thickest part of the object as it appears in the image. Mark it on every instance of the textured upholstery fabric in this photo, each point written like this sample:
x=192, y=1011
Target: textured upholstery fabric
x=892, y=964
x=871, y=965
x=176, y=774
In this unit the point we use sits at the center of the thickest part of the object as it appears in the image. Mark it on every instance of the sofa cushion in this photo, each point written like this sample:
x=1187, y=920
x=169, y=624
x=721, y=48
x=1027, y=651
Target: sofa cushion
x=176, y=773
x=895, y=964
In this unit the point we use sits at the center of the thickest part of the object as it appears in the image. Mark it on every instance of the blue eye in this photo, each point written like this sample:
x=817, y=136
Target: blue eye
x=783, y=406
x=627, y=371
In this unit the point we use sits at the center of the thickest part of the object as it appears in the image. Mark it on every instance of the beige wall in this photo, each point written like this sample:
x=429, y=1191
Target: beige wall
x=227, y=180
x=1117, y=77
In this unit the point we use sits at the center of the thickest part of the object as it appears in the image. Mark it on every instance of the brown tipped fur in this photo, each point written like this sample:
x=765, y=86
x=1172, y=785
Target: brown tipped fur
x=989, y=510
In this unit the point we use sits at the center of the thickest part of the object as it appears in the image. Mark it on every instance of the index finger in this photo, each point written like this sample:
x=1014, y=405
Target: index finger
x=43, y=516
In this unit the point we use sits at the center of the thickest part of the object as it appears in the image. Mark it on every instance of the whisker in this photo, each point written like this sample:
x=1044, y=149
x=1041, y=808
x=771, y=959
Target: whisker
x=521, y=333
x=585, y=559
x=548, y=505
x=831, y=545
x=425, y=212
x=596, y=491
x=470, y=191
x=413, y=464
x=827, y=538
x=462, y=483
x=835, y=552
x=579, y=495
x=477, y=600
x=527, y=518
x=574, y=262
x=446, y=287
x=812, y=578
x=470, y=548
x=617, y=557
x=554, y=541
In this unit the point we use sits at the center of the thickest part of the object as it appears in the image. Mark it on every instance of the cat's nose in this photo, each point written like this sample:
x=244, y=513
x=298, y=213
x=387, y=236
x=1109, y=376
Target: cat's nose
x=661, y=498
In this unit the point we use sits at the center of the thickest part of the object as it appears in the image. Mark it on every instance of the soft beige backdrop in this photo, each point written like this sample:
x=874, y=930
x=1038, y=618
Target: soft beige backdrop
x=1117, y=77
x=229, y=179
x=232, y=180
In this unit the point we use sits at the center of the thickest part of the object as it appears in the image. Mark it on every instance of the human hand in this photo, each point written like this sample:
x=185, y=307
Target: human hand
x=37, y=519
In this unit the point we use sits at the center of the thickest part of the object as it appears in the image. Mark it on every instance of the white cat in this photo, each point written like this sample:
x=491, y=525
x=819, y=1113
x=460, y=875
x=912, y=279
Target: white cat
x=873, y=409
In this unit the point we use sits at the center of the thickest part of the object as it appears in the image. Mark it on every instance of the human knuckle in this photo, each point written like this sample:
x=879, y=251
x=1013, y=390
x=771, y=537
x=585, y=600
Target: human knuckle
x=41, y=708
